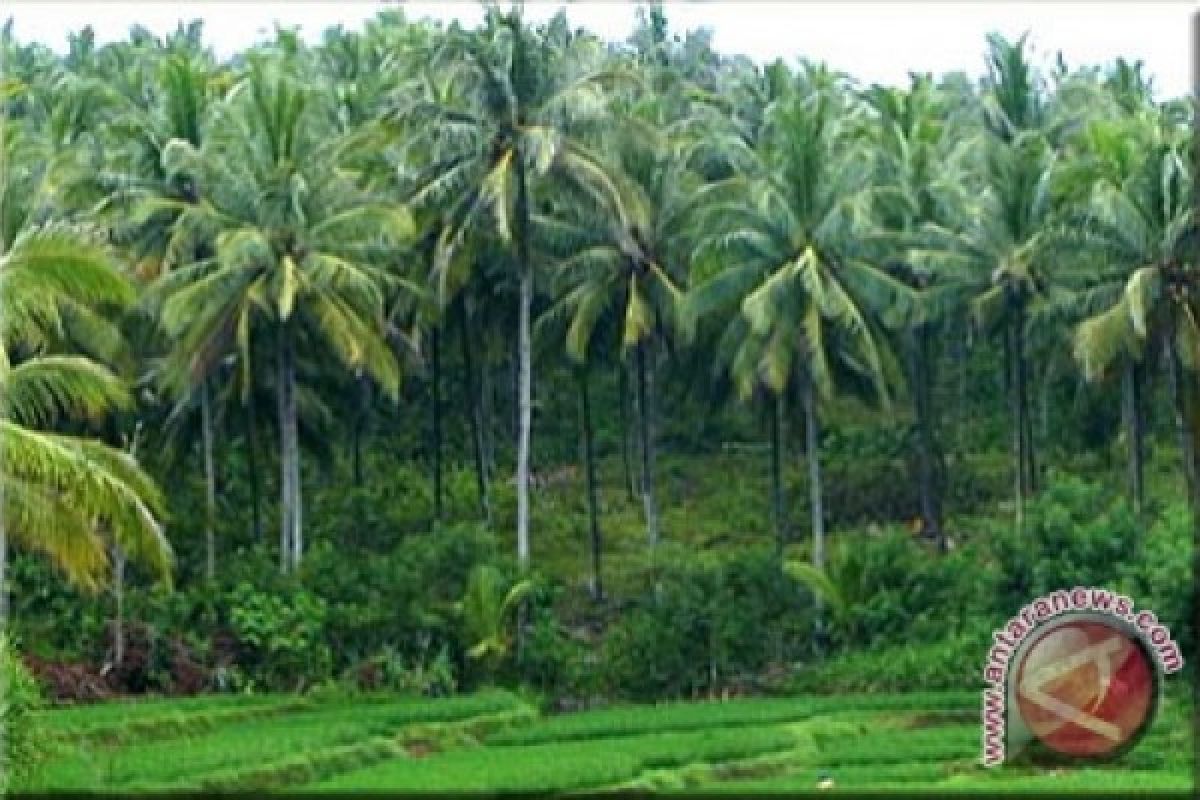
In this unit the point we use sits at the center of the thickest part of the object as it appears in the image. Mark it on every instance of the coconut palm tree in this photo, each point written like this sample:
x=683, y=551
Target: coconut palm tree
x=916, y=175
x=786, y=252
x=1136, y=238
x=155, y=142
x=297, y=248
x=502, y=129
x=626, y=270
x=63, y=494
x=996, y=245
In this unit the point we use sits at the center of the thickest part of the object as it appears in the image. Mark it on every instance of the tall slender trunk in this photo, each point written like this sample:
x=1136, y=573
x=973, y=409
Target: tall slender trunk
x=474, y=414
x=589, y=465
x=361, y=418
x=1044, y=405
x=927, y=450
x=290, y=537
x=210, y=482
x=487, y=410
x=514, y=387
x=960, y=357
x=524, y=369
x=119, y=561
x=1026, y=418
x=1016, y=398
x=623, y=391
x=252, y=465
x=118, y=556
x=1131, y=402
x=645, y=392
x=812, y=445
x=778, y=512
x=1187, y=446
x=436, y=378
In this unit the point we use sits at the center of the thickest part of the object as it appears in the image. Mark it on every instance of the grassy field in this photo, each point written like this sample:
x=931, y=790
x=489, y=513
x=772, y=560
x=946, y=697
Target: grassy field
x=495, y=741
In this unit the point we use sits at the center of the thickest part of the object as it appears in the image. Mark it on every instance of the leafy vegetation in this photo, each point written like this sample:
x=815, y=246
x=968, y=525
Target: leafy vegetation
x=608, y=372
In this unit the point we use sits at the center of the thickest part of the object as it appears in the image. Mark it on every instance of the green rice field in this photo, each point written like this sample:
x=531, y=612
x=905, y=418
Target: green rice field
x=496, y=741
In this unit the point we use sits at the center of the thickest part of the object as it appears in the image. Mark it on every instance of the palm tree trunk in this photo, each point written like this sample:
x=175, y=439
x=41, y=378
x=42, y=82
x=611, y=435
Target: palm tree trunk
x=960, y=356
x=252, y=465
x=589, y=463
x=210, y=482
x=474, y=415
x=1187, y=446
x=777, y=503
x=290, y=541
x=812, y=443
x=645, y=390
x=623, y=391
x=524, y=371
x=922, y=388
x=436, y=378
x=1026, y=417
x=1132, y=407
x=360, y=425
x=118, y=556
x=1016, y=396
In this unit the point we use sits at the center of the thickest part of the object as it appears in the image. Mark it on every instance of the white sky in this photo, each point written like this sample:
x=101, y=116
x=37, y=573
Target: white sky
x=873, y=41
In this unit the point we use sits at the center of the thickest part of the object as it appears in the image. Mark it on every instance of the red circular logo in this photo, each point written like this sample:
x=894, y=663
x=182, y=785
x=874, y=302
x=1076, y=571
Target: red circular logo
x=1086, y=687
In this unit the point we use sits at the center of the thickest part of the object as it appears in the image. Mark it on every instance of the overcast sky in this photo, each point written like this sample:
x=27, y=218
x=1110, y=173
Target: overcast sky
x=875, y=42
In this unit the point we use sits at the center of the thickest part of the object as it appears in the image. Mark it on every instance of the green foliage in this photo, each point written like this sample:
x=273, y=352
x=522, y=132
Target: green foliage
x=894, y=589
x=487, y=608
x=705, y=624
x=400, y=599
x=1072, y=516
x=24, y=739
x=951, y=663
x=1158, y=574
x=281, y=637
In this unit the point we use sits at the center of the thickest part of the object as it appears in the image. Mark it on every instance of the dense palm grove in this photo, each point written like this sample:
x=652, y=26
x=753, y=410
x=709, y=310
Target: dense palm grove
x=300, y=349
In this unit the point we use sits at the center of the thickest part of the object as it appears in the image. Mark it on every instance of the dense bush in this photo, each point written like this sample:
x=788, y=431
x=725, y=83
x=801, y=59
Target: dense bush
x=402, y=600
x=22, y=743
x=1076, y=533
x=898, y=589
x=380, y=610
x=280, y=638
x=951, y=663
x=1159, y=577
x=706, y=625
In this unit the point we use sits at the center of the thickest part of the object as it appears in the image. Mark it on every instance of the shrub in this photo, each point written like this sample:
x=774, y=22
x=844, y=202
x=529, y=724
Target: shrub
x=953, y=663
x=1076, y=533
x=554, y=663
x=433, y=677
x=706, y=625
x=897, y=589
x=402, y=599
x=1159, y=576
x=280, y=637
x=23, y=742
